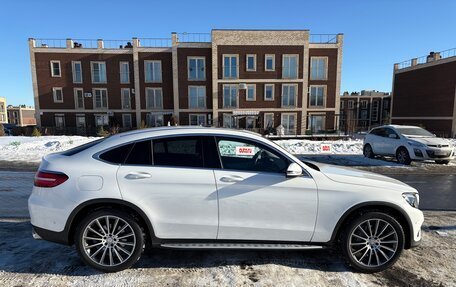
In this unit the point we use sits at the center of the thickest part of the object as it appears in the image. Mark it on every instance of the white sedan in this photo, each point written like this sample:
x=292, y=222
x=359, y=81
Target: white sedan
x=407, y=143
x=186, y=187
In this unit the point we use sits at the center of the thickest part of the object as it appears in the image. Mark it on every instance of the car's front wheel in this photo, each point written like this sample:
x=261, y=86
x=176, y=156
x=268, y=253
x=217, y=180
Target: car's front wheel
x=372, y=242
x=109, y=240
x=368, y=152
x=402, y=156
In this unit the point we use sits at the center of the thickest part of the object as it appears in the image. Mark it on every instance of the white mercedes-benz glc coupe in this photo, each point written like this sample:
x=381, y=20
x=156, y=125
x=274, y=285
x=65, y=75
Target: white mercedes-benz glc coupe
x=407, y=143
x=186, y=187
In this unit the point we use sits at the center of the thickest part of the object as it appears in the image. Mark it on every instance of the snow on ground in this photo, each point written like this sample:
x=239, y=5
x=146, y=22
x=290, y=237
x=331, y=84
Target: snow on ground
x=32, y=149
x=313, y=147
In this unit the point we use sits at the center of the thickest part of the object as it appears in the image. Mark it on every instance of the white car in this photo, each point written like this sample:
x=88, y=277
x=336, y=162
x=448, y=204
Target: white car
x=182, y=187
x=407, y=143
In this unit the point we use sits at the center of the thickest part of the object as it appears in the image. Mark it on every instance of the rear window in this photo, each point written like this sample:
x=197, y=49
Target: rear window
x=183, y=151
x=140, y=154
x=82, y=147
x=117, y=155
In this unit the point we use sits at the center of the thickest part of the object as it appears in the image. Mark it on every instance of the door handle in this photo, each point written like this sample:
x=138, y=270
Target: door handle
x=231, y=178
x=138, y=175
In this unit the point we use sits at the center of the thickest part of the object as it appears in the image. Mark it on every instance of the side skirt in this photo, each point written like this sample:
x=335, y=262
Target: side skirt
x=240, y=245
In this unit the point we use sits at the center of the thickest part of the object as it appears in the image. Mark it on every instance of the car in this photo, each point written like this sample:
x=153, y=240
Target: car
x=215, y=188
x=407, y=144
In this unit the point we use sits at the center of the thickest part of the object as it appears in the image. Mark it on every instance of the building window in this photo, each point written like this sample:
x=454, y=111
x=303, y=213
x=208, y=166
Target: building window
x=58, y=95
x=101, y=120
x=269, y=62
x=55, y=69
x=80, y=122
x=196, y=68
x=197, y=119
x=154, y=98
x=126, y=98
x=251, y=92
x=126, y=121
x=342, y=105
x=77, y=72
x=289, y=123
x=269, y=92
x=364, y=114
x=364, y=104
x=317, y=123
x=230, y=93
x=124, y=72
x=100, y=98
x=290, y=67
x=268, y=121
x=289, y=92
x=197, y=97
x=59, y=121
x=319, y=68
x=350, y=105
x=153, y=71
x=230, y=66
x=78, y=98
x=153, y=120
x=250, y=63
x=250, y=122
x=317, y=96
x=374, y=112
x=98, y=72
x=227, y=121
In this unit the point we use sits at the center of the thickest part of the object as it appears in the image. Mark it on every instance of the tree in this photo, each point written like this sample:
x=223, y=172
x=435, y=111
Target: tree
x=101, y=132
x=36, y=132
x=2, y=130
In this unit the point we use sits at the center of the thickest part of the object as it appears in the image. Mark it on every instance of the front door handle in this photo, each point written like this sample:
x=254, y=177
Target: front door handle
x=231, y=178
x=138, y=175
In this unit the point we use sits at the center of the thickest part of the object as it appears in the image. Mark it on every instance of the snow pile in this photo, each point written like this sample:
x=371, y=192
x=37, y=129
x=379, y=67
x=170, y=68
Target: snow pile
x=32, y=149
x=314, y=147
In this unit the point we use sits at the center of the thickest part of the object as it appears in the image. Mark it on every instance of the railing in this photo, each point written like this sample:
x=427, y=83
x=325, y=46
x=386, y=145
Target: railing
x=424, y=59
x=117, y=44
x=323, y=38
x=50, y=43
x=85, y=43
x=194, y=37
x=155, y=42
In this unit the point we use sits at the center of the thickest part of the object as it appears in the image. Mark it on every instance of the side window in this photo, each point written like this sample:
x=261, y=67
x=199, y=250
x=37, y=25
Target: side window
x=246, y=155
x=178, y=151
x=389, y=132
x=140, y=154
x=117, y=155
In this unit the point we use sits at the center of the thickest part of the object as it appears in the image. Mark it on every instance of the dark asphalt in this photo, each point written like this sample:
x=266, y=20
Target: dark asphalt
x=437, y=191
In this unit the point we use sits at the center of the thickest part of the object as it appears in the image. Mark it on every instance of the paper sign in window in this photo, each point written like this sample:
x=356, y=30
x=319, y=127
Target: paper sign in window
x=245, y=150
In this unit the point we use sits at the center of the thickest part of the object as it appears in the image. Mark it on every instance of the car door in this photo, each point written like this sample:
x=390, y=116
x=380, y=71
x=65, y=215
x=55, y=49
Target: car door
x=174, y=184
x=390, y=141
x=377, y=140
x=256, y=199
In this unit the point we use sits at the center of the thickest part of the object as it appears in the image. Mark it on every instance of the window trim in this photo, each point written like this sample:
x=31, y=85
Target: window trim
x=123, y=121
x=189, y=58
x=326, y=68
x=145, y=71
x=237, y=66
x=273, y=63
x=100, y=115
x=73, y=63
x=297, y=65
x=147, y=98
x=123, y=100
x=92, y=74
x=264, y=120
x=324, y=96
x=254, y=63
x=342, y=105
x=55, y=120
x=295, y=121
x=83, y=116
x=128, y=72
x=52, y=69
x=350, y=104
x=273, y=92
x=296, y=96
x=95, y=101
x=237, y=96
x=316, y=115
x=54, y=89
x=364, y=104
x=197, y=87
x=198, y=115
x=75, y=90
x=247, y=93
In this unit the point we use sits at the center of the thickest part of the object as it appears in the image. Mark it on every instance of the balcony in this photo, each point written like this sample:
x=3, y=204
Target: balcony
x=324, y=38
x=194, y=37
x=99, y=43
x=432, y=57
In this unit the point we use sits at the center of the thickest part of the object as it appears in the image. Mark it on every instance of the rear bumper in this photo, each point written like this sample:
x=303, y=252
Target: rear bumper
x=49, y=235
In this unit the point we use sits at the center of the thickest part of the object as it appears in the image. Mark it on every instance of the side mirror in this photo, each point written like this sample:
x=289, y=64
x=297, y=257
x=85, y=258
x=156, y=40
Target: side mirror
x=294, y=170
x=392, y=136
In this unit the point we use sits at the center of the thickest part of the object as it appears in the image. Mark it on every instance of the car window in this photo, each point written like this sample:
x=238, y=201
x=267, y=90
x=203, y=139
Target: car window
x=117, y=155
x=239, y=154
x=178, y=151
x=377, y=132
x=140, y=154
x=389, y=132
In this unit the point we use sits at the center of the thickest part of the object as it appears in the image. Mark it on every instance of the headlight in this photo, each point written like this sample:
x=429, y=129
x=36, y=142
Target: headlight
x=412, y=198
x=417, y=144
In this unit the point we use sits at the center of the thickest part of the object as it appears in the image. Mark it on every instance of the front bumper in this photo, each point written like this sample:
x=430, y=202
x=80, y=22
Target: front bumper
x=416, y=218
x=431, y=153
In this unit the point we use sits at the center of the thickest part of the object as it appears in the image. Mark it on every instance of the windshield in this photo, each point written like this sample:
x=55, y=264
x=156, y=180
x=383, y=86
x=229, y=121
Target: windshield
x=418, y=132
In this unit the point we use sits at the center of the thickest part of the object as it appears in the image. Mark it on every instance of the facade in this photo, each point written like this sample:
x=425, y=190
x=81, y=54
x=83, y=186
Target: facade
x=249, y=79
x=424, y=93
x=3, y=115
x=359, y=112
x=21, y=116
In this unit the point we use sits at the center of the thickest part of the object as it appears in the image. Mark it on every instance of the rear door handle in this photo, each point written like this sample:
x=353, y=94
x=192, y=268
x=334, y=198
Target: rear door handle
x=231, y=178
x=138, y=175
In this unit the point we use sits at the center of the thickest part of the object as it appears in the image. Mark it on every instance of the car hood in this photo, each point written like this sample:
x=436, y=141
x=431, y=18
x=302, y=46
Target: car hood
x=430, y=140
x=359, y=177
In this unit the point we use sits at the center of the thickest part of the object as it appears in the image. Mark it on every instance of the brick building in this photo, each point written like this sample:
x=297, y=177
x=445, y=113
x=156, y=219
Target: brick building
x=21, y=116
x=250, y=79
x=3, y=115
x=424, y=93
x=359, y=112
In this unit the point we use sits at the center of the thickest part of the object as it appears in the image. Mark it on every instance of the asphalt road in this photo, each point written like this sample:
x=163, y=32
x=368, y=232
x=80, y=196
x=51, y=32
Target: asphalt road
x=437, y=191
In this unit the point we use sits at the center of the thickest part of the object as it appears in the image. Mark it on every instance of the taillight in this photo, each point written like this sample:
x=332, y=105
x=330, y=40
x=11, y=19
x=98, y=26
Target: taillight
x=49, y=179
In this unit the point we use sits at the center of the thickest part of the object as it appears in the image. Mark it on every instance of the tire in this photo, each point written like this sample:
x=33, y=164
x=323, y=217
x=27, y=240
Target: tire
x=364, y=250
x=402, y=156
x=113, y=249
x=368, y=152
x=442, y=161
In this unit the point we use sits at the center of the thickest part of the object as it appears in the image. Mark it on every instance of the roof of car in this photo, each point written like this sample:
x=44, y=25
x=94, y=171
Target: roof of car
x=397, y=126
x=187, y=129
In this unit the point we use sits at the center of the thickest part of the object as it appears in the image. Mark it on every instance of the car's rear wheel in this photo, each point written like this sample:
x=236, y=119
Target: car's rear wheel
x=109, y=240
x=442, y=161
x=368, y=152
x=403, y=156
x=372, y=242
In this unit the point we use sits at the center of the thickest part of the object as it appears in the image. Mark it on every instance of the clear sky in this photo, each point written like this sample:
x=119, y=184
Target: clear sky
x=377, y=33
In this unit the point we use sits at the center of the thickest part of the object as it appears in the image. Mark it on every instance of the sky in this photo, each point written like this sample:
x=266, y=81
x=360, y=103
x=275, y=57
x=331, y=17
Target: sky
x=377, y=34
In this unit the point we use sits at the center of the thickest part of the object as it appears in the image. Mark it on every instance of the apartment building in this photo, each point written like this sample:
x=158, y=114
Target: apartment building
x=359, y=112
x=21, y=116
x=424, y=93
x=3, y=114
x=249, y=79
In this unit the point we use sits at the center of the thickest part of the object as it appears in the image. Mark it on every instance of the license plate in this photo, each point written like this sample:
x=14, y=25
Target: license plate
x=440, y=152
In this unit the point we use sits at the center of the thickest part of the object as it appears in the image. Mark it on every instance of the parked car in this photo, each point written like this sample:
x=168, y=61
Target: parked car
x=407, y=143
x=204, y=188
